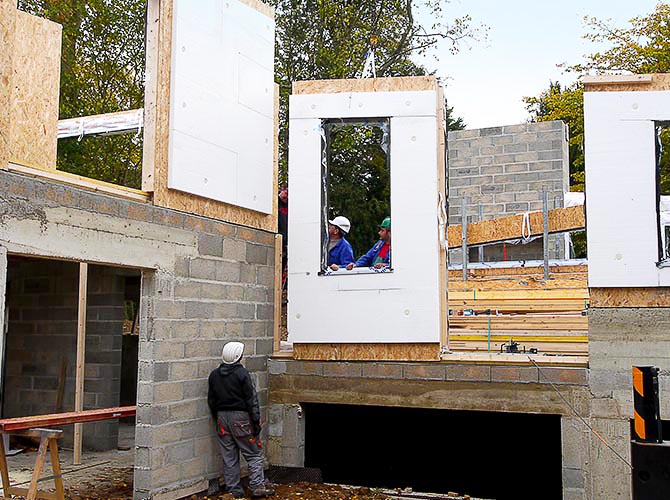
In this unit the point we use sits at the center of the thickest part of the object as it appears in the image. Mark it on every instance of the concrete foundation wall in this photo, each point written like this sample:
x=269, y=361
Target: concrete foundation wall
x=492, y=388
x=504, y=170
x=204, y=283
x=42, y=335
x=620, y=338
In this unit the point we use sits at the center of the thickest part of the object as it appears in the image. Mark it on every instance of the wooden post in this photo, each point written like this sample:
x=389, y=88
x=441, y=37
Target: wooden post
x=464, y=238
x=81, y=351
x=276, y=346
x=545, y=233
x=3, y=326
x=481, y=247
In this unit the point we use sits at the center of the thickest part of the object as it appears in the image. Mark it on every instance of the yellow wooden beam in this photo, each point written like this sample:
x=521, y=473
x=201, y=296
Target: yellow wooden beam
x=509, y=228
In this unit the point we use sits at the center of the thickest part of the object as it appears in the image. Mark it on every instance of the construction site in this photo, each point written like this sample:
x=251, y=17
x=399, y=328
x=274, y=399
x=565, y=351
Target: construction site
x=484, y=361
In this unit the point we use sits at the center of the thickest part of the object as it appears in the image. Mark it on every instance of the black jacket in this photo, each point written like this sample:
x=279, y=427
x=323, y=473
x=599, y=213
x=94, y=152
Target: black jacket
x=231, y=388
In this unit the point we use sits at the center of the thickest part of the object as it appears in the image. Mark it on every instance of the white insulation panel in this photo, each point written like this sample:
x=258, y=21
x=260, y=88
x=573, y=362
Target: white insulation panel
x=222, y=103
x=622, y=236
x=396, y=307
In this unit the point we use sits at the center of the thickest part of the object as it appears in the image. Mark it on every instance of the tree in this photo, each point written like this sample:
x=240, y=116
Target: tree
x=323, y=39
x=102, y=71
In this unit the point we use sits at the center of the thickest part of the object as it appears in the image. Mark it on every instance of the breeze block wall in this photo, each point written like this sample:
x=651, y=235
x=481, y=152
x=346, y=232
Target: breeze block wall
x=504, y=170
x=204, y=282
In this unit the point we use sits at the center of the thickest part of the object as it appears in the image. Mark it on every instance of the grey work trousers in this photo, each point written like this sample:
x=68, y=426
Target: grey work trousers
x=233, y=429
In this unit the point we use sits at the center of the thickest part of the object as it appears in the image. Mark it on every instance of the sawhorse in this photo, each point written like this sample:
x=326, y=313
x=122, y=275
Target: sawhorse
x=48, y=439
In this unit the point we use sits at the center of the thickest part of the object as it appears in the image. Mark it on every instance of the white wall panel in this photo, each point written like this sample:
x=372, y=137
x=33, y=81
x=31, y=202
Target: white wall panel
x=621, y=187
x=222, y=103
x=397, y=307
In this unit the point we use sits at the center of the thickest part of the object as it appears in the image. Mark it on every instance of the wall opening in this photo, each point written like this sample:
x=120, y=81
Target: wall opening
x=506, y=456
x=663, y=189
x=39, y=365
x=356, y=180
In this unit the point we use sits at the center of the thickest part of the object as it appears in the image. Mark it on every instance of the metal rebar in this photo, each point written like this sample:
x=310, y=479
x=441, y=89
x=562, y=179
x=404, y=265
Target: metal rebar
x=545, y=235
x=464, y=238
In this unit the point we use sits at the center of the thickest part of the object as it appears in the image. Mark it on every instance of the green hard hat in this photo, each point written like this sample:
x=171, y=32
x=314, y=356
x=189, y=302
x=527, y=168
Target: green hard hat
x=386, y=223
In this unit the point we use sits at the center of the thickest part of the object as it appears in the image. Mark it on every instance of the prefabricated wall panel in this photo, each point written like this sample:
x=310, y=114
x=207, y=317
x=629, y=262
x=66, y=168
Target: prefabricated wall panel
x=222, y=103
x=35, y=80
x=402, y=306
x=621, y=197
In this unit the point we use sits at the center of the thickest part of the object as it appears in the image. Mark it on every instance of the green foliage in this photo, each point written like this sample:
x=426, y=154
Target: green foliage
x=641, y=47
x=102, y=71
x=359, y=179
x=324, y=39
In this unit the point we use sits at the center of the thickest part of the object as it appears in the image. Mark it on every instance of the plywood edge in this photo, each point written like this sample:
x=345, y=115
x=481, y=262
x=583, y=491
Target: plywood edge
x=367, y=352
x=392, y=84
x=630, y=297
x=627, y=83
x=506, y=228
x=261, y=7
x=80, y=182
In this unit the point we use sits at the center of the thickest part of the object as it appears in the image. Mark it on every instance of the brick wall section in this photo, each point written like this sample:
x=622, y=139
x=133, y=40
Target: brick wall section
x=505, y=169
x=206, y=290
x=42, y=301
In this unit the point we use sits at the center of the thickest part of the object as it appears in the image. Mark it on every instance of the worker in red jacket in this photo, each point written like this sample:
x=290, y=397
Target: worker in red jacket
x=233, y=402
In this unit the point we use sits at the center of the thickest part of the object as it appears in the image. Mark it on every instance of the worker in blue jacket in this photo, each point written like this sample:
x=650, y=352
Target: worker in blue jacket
x=340, y=252
x=380, y=254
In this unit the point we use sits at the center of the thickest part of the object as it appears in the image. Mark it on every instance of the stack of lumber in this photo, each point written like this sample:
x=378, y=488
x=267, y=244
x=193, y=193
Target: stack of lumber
x=494, y=306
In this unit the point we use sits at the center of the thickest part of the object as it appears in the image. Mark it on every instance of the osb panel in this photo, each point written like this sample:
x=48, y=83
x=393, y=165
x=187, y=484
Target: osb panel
x=404, y=83
x=7, y=23
x=630, y=297
x=367, y=352
x=159, y=134
x=506, y=228
x=36, y=84
x=659, y=81
x=530, y=282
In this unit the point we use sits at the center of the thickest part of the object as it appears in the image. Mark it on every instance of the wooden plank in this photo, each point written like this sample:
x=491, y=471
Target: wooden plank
x=36, y=88
x=38, y=433
x=367, y=352
x=55, y=466
x=37, y=470
x=514, y=271
x=553, y=305
x=152, y=48
x=485, y=358
x=81, y=182
x=521, y=322
x=578, y=293
x=4, y=471
x=630, y=297
x=81, y=351
x=276, y=343
x=72, y=417
x=7, y=35
x=47, y=495
x=509, y=228
x=553, y=348
x=157, y=144
x=395, y=84
x=529, y=283
x=627, y=83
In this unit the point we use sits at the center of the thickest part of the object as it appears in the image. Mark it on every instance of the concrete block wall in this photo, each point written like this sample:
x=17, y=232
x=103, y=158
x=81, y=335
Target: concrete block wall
x=204, y=282
x=504, y=170
x=42, y=332
x=620, y=338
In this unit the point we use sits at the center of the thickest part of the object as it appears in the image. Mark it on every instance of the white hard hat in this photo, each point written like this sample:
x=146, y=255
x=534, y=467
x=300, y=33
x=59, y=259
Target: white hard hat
x=341, y=222
x=232, y=352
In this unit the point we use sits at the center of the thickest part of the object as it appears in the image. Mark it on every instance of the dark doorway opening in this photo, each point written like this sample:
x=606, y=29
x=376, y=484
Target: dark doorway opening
x=506, y=456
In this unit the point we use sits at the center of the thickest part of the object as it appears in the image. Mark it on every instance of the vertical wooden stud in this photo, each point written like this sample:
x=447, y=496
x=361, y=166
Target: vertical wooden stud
x=81, y=351
x=278, y=293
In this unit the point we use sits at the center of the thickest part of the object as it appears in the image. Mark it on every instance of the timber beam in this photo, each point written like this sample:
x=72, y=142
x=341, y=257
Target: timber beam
x=509, y=228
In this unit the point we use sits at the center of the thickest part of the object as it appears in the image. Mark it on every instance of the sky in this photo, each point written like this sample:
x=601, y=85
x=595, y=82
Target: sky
x=486, y=81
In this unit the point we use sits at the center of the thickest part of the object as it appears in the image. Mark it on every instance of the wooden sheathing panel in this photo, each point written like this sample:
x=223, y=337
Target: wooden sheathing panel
x=36, y=87
x=578, y=269
x=627, y=83
x=396, y=84
x=159, y=134
x=7, y=23
x=508, y=228
x=367, y=352
x=630, y=297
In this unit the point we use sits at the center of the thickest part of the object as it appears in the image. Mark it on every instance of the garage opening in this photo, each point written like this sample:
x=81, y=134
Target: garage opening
x=506, y=456
x=39, y=358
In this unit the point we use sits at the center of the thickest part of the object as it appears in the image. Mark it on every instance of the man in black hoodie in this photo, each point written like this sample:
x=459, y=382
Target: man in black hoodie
x=233, y=402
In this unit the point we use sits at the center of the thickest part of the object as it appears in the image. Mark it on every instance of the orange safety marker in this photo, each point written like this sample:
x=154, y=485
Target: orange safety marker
x=646, y=412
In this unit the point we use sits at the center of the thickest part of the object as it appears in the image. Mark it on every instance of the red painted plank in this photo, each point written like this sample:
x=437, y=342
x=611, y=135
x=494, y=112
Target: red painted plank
x=51, y=419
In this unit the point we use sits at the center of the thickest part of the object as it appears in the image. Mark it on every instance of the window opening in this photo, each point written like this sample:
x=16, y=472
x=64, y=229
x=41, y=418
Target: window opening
x=663, y=188
x=356, y=185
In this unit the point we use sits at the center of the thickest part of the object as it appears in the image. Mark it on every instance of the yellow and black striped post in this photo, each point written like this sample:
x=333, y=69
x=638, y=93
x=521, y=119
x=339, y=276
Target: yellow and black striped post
x=647, y=416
